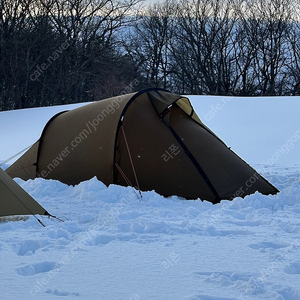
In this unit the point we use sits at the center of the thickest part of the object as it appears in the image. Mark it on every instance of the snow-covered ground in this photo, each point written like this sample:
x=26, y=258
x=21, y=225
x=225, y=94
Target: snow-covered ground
x=114, y=245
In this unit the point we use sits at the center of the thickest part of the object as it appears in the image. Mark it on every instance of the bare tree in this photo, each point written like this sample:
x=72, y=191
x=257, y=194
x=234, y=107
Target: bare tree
x=203, y=47
x=148, y=43
x=293, y=65
x=12, y=41
x=60, y=51
x=266, y=24
x=90, y=28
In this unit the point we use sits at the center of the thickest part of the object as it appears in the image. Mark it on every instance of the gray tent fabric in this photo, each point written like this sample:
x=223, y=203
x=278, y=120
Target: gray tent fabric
x=14, y=200
x=171, y=150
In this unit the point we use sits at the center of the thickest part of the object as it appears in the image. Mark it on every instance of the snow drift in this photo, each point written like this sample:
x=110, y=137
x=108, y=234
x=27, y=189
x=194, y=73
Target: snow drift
x=112, y=245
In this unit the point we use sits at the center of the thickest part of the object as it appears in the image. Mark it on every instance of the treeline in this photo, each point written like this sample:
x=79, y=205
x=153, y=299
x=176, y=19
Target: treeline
x=65, y=51
x=238, y=47
x=62, y=51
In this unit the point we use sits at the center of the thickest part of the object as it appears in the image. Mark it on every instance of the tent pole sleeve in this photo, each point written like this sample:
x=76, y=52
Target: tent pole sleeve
x=192, y=158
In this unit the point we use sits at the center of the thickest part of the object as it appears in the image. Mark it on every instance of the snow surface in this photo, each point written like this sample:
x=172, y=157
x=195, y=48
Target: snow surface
x=115, y=245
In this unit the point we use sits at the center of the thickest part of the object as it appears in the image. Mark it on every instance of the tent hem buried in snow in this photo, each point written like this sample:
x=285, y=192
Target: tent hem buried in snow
x=152, y=138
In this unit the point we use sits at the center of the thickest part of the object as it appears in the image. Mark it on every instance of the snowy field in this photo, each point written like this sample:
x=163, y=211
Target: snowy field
x=114, y=245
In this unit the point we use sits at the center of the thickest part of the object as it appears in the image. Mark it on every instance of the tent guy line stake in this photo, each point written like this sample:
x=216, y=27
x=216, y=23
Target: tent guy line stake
x=127, y=180
x=131, y=161
x=123, y=174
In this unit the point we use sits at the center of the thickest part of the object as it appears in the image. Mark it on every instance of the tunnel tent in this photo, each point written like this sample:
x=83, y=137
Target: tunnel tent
x=152, y=138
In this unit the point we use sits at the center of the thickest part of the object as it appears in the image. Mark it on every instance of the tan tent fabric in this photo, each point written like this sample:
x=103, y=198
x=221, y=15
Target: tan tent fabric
x=84, y=142
x=151, y=144
x=172, y=151
x=25, y=167
x=14, y=200
x=229, y=174
x=186, y=106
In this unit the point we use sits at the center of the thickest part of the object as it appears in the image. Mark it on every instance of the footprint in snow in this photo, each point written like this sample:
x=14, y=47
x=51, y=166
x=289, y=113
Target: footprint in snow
x=42, y=267
x=207, y=297
x=289, y=293
x=267, y=245
x=292, y=268
x=29, y=247
x=58, y=293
